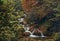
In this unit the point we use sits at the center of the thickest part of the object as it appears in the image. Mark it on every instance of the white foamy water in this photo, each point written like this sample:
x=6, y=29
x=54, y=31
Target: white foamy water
x=33, y=36
x=42, y=35
x=26, y=28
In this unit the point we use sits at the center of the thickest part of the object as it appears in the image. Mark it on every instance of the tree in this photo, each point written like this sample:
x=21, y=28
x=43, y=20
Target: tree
x=9, y=20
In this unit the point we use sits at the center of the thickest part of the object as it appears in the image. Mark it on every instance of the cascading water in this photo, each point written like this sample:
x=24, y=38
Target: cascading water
x=42, y=35
x=31, y=34
x=26, y=28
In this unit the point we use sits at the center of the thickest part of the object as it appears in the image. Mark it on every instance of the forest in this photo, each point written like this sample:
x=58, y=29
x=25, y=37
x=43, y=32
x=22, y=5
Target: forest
x=42, y=15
